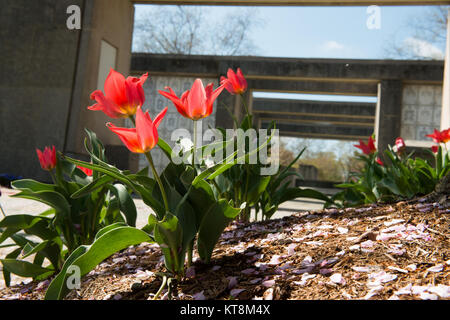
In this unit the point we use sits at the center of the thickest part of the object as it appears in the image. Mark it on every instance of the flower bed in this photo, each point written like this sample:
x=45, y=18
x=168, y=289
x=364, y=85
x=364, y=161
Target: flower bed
x=397, y=251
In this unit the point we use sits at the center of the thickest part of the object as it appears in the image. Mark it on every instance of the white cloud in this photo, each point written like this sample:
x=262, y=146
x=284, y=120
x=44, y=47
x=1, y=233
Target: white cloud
x=333, y=46
x=422, y=48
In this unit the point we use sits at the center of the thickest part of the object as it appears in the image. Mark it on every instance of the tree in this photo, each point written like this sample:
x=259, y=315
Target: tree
x=429, y=35
x=189, y=30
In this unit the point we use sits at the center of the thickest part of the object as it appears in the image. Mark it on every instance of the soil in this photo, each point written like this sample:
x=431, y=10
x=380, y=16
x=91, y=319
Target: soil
x=392, y=251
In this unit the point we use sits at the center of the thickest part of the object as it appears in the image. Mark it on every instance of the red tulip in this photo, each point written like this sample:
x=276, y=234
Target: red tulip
x=367, y=148
x=87, y=171
x=435, y=149
x=142, y=138
x=440, y=136
x=122, y=96
x=47, y=158
x=235, y=83
x=196, y=103
x=380, y=162
x=399, y=145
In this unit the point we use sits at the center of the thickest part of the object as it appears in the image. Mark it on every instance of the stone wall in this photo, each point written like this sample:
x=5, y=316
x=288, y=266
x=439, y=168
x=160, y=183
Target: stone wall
x=38, y=58
x=421, y=111
x=154, y=102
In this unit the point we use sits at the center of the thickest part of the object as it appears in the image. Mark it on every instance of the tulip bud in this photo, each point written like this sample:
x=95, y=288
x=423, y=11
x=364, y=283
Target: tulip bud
x=47, y=158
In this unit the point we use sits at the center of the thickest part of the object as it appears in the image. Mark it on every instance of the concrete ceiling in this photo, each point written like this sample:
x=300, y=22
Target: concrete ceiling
x=295, y=2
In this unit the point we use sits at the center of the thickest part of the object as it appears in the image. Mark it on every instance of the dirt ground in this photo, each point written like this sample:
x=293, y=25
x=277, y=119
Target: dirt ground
x=397, y=251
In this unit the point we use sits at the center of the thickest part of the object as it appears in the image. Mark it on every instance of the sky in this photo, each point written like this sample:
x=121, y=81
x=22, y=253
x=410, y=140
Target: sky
x=327, y=32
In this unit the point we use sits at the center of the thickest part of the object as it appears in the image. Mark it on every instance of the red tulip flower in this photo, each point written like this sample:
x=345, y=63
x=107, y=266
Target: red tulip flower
x=399, y=145
x=380, y=162
x=122, y=96
x=368, y=148
x=144, y=137
x=87, y=171
x=235, y=83
x=47, y=158
x=196, y=103
x=435, y=149
x=440, y=136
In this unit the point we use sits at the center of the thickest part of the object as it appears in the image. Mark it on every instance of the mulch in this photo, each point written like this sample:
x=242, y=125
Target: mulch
x=381, y=251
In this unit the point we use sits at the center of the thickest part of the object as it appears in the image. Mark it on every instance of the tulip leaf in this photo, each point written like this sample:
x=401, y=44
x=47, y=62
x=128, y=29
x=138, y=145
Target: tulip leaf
x=165, y=147
x=87, y=258
x=51, y=198
x=169, y=235
x=126, y=203
x=94, y=185
x=26, y=269
x=28, y=250
x=214, y=221
x=6, y=274
x=32, y=185
x=20, y=221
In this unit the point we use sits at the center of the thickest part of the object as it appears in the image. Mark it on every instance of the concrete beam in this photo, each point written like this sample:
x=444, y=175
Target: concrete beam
x=318, y=119
x=315, y=87
x=388, y=113
x=364, y=71
x=321, y=131
x=314, y=108
x=294, y=2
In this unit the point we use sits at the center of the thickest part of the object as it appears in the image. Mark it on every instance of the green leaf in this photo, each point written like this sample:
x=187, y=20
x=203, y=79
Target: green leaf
x=6, y=274
x=169, y=235
x=27, y=269
x=28, y=250
x=126, y=203
x=165, y=148
x=257, y=186
x=293, y=193
x=214, y=221
x=57, y=290
x=107, y=244
x=50, y=198
x=32, y=185
x=91, y=187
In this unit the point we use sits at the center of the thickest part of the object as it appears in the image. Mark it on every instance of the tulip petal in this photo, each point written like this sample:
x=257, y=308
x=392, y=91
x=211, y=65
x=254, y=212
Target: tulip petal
x=181, y=107
x=106, y=105
x=159, y=117
x=128, y=137
x=115, y=88
x=242, y=80
x=197, y=101
x=147, y=134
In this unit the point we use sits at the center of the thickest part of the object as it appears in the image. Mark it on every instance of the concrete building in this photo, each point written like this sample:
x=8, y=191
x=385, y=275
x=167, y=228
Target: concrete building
x=48, y=70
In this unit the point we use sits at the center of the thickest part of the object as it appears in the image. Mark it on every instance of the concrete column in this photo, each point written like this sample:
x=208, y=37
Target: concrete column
x=110, y=21
x=388, y=113
x=225, y=106
x=445, y=115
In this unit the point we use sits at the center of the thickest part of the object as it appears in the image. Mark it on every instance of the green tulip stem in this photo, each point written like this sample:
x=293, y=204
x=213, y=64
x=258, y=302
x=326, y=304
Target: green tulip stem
x=53, y=176
x=164, y=282
x=244, y=103
x=158, y=179
x=195, y=143
x=190, y=250
x=155, y=174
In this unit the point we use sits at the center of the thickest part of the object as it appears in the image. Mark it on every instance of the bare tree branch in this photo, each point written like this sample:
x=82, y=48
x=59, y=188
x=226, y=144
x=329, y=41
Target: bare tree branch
x=185, y=30
x=429, y=34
